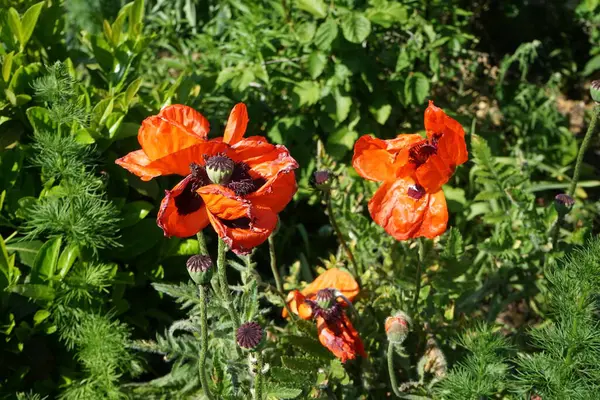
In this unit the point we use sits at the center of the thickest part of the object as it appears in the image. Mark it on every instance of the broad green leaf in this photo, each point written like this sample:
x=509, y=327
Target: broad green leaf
x=67, y=259
x=342, y=106
x=132, y=90
x=138, y=239
x=279, y=392
x=381, y=112
x=308, y=93
x=134, y=212
x=306, y=31
x=28, y=22
x=34, y=291
x=40, y=316
x=591, y=66
x=26, y=251
x=316, y=63
x=117, y=28
x=40, y=120
x=434, y=62
x=326, y=34
x=317, y=8
x=106, y=28
x=46, y=260
x=14, y=21
x=102, y=110
x=136, y=18
x=341, y=141
x=7, y=66
x=416, y=88
x=387, y=14
x=355, y=27
x=127, y=129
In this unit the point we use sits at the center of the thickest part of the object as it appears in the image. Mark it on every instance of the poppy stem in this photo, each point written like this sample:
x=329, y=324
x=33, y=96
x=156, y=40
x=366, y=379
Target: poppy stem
x=278, y=282
x=338, y=232
x=258, y=377
x=420, y=260
x=202, y=249
x=390, y=362
x=584, y=145
x=204, y=342
x=225, y=292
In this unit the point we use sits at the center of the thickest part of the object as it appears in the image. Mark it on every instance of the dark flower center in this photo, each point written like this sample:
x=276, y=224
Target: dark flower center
x=188, y=200
x=420, y=153
x=239, y=223
x=416, y=191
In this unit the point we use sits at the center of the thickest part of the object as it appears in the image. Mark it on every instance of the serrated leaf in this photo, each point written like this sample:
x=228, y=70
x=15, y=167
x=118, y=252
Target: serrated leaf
x=454, y=244
x=317, y=8
x=316, y=63
x=355, y=27
x=280, y=392
x=29, y=21
x=416, y=88
x=308, y=93
x=326, y=34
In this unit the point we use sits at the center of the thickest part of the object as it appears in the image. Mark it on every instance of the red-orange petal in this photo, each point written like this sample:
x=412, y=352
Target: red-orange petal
x=434, y=173
x=452, y=144
x=340, y=338
x=223, y=203
x=177, y=163
x=276, y=193
x=171, y=131
x=405, y=217
x=379, y=160
x=236, y=124
x=333, y=278
x=172, y=222
x=295, y=301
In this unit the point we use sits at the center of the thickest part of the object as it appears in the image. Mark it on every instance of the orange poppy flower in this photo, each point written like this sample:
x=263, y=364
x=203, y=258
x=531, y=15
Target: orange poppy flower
x=333, y=278
x=338, y=335
x=410, y=202
x=237, y=185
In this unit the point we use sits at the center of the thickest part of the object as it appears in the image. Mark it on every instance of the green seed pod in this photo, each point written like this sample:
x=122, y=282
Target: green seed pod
x=595, y=91
x=200, y=269
x=219, y=169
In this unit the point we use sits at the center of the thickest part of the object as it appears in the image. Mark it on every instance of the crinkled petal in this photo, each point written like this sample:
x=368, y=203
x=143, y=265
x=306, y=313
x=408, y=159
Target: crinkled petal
x=236, y=124
x=334, y=278
x=295, y=301
x=378, y=160
x=434, y=173
x=340, y=338
x=171, y=218
x=276, y=193
x=405, y=217
x=177, y=163
x=223, y=203
x=171, y=131
x=264, y=159
x=452, y=146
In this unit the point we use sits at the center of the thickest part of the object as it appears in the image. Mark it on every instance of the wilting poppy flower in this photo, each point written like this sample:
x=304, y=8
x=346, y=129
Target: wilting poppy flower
x=236, y=184
x=410, y=202
x=317, y=301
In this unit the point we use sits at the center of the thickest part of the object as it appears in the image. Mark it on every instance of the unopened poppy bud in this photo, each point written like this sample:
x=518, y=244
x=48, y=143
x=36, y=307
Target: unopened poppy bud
x=322, y=179
x=325, y=298
x=563, y=204
x=200, y=268
x=249, y=335
x=219, y=168
x=595, y=91
x=398, y=327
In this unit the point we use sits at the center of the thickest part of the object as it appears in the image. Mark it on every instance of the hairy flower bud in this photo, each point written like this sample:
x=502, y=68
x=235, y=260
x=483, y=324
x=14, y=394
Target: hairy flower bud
x=200, y=268
x=249, y=335
x=595, y=91
x=322, y=180
x=219, y=168
x=397, y=327
x=563, y=204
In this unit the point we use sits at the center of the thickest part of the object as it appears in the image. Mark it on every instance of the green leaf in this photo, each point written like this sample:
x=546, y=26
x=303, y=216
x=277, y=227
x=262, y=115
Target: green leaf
x=341, y=141
x=306, y=31
x=416, y=88
x=28, y=22
x=317, y=8
x=355, y=27
x=34, y=291
x=316, y=63
x=387, y=14
x=134, y=212
x=380, y=111
x=67, y=259
x=117, y=28
x=7, y=62
x=102, y=110
x=280, y=392
x=138, y=238
x=14, y=21
x=454, y=244
x=26, y=251
x=46, y=261
x=132, y=90
x=326, y=34
x=403, y=61
x=136, y=18
x=40, y=316
x=40, y=120
x=591, y=66
x=308, y=93
x=342, y=106
x=6, y=264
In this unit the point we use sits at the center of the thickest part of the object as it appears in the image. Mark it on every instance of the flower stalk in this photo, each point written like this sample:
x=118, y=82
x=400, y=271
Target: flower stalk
x=204, y=342
x=390, y=364
x=341, y=239
x=225, y=292
x=275, y=270
x=584, y=145
x=258, y=377
x=420, y=260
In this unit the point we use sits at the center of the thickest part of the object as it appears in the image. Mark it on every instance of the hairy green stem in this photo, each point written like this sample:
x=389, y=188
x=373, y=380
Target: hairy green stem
x=258, y=377
x=274, y=268
x=204, y=343
x=584, y=145
x=225, y=292
x=390, y=362
x=202, y=249
x=338, y=232
x=420, y=260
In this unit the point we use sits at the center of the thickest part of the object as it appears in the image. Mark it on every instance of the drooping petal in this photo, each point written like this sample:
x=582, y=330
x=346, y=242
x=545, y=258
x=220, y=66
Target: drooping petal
x=451, y=146
x=340, y=337
x=236, y=124
x=263, y=158
x=405, y=217
x=379, y=160
x=177, y=163
x=174, y=129
x=333, y=278
x=295, y=301
x=191, y=120
x=182, y=212
x=276, y=193
x=434, y=173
